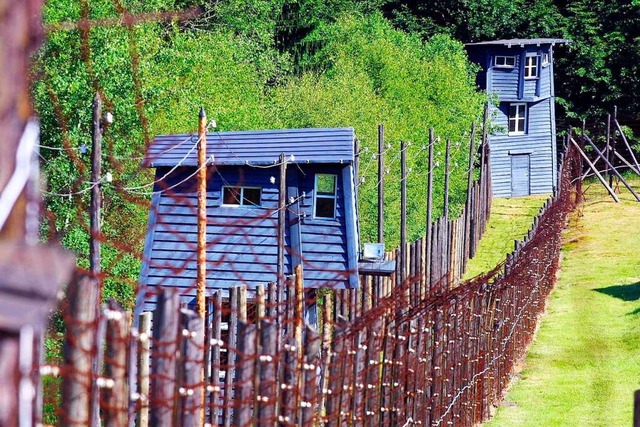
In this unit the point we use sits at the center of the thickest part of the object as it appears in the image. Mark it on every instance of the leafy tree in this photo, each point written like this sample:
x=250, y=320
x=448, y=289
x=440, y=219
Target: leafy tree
x=355, y=70
x=153, y=77
x=364, y=73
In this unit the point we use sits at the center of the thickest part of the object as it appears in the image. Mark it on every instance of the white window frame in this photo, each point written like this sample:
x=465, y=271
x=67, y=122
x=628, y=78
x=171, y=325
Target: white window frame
x=517, y=118
x=546, y=59
x=241, y=197
x=317, y=195
x=531, y=67
x=500, y=61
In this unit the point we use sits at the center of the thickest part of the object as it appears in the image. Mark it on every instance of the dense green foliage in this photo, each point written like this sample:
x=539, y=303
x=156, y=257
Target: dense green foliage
x=365, y=73
x=296, y=63
x=267, y=65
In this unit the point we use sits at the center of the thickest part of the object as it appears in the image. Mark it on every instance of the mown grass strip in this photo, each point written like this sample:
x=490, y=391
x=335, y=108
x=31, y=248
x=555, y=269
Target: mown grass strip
x=584, y=364
x=510, y=220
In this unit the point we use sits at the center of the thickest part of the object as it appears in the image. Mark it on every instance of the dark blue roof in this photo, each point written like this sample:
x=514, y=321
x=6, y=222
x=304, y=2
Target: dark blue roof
x=520, y=42
x=261, y=147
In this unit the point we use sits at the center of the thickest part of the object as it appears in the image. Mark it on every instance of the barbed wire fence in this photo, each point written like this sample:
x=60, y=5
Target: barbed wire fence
x=440, y=358
x=416, y=348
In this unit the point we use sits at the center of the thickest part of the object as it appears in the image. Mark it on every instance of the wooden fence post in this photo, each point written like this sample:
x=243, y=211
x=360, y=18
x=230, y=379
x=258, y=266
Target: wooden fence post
x=230, y=371
x=246, y=356
x=290, y=395
x=193, y=408
x=327, y=308
x=267, y=390
x=403, y=218
x=215, y=360
x=381, y=173
x=78, y=352
x=282, y=203
x=334, y=379
x=429, y=228
x=165, y=350
x=116, y=366
x=469, y=213
x=310, y=376
x=144, y=361
x=299, y=306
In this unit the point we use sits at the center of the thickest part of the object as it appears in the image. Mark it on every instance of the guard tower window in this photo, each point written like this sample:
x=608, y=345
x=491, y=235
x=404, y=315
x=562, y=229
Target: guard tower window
x=505, y=61
x=241, y=196
x=517, y=119
x=325, y=196
x=545, y=59
x=531, y=67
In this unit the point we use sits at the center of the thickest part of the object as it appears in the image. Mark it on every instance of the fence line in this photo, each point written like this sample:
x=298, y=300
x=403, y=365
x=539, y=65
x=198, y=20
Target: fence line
x=429, y=268
x=400, y=357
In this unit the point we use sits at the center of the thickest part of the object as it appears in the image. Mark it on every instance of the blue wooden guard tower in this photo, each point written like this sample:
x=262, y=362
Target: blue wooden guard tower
x=518, y=76
x=242, y=209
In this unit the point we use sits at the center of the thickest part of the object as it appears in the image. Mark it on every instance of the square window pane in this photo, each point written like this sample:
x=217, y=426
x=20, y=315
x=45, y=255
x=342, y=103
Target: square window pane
x=325, y=208
x=231, y=195
x=251, y=196
x=326, y=184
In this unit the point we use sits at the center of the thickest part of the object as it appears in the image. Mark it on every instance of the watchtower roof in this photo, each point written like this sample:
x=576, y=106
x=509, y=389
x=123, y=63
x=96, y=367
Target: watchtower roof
x=521, y=42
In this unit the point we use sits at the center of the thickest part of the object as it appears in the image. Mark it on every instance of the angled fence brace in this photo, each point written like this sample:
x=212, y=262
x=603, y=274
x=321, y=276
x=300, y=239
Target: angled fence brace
x=611, y=167
x=626, y=162
x=626, y=142
x=595, y=170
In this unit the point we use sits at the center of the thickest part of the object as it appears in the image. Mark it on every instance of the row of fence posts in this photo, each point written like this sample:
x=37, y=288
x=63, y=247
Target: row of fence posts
x=436, y=262
x=385, y=356
x=450, y=242
x=441, y=360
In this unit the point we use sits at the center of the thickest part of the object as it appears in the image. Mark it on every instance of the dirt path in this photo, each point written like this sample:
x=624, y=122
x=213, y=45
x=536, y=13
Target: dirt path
x=584, y=364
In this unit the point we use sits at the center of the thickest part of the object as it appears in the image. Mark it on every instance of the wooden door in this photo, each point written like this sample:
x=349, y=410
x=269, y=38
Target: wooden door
x=520, y=175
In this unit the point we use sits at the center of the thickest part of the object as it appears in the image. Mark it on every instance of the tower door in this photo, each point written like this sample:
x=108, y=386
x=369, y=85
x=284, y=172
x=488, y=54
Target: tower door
x=520, y=175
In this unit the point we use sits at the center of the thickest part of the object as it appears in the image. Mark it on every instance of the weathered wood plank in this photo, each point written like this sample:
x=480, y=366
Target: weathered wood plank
x=164, y=351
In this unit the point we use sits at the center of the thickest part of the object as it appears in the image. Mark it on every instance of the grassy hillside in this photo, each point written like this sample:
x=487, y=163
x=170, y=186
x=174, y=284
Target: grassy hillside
x=584, y=364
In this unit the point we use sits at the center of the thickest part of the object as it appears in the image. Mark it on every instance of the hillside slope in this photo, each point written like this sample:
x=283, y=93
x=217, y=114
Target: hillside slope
x=584, y=364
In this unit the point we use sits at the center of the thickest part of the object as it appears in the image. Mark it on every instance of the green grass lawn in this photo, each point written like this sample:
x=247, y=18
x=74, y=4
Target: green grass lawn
x=584, y=364
x=510, y=219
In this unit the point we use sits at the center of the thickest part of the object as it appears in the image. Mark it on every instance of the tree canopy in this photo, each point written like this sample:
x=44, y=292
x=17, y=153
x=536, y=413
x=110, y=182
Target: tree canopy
x=252, y=65
x=295, y=63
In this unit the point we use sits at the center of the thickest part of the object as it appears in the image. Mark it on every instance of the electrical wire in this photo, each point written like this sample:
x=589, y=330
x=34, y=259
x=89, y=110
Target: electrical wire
x=164, y=190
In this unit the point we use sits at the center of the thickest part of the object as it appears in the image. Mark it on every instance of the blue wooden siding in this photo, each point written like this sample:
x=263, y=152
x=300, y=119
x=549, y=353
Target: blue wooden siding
x=510, y=86
x=505, y=81
x=325, y=244
x=242, y=241
x=537, y=142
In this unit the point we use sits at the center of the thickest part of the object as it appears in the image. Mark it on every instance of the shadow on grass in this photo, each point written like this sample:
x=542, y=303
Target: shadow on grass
x=629, y=292
x=634, y=312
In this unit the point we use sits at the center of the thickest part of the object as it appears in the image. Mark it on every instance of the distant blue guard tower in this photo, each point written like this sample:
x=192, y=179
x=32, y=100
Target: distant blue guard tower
x=321, y=229
x=518, y=74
